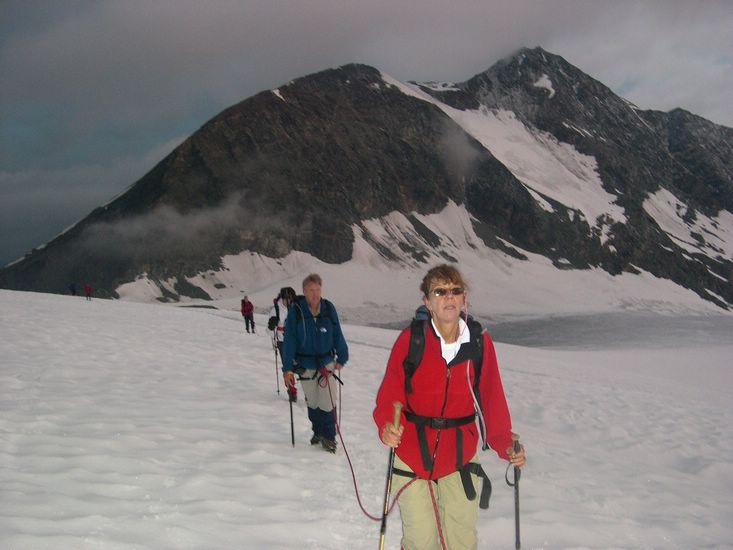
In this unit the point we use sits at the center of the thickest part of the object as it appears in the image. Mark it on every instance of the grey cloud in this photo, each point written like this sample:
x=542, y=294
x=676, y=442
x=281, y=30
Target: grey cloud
x=89, y=82
x=459, y=154
x=169, y=233
x=125, y=62
x=164, y=230
x=36, y=205
x=676, y=54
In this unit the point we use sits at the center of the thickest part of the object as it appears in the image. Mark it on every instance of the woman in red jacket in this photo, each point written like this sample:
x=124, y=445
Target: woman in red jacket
x=435, y=444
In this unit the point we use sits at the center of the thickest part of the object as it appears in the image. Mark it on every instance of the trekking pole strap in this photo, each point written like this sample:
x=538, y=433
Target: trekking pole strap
x=476, y=469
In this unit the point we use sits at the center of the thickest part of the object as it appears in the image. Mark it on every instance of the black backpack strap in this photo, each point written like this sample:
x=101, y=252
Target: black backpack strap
x=330, y=313
x=328, y=353
x=414, y=351
x=422, y=440
x=326, y=306
x=476, y=332
x=404, y=473
x=436, y=423
x=297, y=308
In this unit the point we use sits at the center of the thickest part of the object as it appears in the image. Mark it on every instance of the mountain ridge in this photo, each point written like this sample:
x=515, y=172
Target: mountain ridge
x=300, y=167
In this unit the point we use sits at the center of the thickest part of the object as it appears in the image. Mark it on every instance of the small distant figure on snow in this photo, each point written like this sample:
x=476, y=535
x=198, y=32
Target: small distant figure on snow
x=248, y=314
x=72, y=288
x=87, y=291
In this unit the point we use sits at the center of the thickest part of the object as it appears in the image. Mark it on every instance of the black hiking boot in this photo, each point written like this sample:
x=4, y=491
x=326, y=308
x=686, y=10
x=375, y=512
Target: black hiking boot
x=316, y=439
x=328, y=444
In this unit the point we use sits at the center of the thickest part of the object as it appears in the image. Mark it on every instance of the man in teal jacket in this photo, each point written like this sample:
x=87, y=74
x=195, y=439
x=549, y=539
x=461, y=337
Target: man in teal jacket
x=314, y=347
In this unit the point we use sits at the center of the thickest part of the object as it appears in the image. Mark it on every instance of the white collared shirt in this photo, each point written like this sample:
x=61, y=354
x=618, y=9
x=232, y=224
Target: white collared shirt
x=449, y=351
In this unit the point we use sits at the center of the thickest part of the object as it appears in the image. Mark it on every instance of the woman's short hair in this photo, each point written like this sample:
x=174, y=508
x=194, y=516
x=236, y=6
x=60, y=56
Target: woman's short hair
x=443, y=272
x=312, y=278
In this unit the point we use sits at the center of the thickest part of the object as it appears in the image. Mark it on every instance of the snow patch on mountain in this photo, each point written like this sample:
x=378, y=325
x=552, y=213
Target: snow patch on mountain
x=542, y=163
x=545, y=82
x=375, y=288
x=712, y=236
x=546, y=166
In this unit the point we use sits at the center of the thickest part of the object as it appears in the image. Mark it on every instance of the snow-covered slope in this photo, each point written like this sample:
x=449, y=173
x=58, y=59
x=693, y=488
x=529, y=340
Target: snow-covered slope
x=713, y=236
x=544, y=165
x=126, y=426
x=372, y=289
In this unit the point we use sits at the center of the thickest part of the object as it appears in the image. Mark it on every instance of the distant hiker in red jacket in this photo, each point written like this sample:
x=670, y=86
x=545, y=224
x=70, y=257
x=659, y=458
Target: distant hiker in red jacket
x=88, y=291
x=435, y=444
x=248, y=314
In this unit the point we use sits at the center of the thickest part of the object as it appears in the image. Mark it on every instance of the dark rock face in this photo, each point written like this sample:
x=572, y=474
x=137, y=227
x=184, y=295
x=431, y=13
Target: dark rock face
x=297, y=168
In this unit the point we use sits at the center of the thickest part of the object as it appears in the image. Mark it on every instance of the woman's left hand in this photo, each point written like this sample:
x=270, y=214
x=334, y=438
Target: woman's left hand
x=516, y=458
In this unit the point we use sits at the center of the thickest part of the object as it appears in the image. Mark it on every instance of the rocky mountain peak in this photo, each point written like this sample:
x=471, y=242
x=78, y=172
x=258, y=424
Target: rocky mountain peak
x=539, y=157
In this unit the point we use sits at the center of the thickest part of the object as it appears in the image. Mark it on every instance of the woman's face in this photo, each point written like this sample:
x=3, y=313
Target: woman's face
x=445, y=301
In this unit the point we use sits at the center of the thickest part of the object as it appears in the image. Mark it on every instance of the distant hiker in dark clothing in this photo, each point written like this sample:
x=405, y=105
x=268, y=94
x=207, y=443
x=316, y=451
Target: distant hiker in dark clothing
x=72, y=289
x=315, y=347
x=276, y=323
x=453, y=380
x=248, y=314
x=88, y=291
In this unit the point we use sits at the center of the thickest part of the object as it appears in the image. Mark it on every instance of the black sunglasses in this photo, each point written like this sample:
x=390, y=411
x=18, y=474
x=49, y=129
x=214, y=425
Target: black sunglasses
x=440, y=292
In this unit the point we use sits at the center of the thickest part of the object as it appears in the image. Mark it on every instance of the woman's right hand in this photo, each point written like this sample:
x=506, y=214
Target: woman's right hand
x=390, y=435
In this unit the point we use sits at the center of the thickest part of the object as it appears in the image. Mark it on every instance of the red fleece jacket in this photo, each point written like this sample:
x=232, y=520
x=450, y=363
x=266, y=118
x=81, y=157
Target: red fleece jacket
x=435, y=383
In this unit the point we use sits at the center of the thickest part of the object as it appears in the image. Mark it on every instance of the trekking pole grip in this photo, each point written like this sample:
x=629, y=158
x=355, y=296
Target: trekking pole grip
x=516, y=446
x=397, y=414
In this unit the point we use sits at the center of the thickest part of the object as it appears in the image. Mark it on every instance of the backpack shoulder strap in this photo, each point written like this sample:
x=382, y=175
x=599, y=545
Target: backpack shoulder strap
x=414, y=351
x=476, y=332
x=327, y=310
x=477, y=342
x=330, y=313
x=298, y=311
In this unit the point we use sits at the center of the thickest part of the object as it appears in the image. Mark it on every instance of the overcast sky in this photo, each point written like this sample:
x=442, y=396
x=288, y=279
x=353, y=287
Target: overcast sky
x=93, y=93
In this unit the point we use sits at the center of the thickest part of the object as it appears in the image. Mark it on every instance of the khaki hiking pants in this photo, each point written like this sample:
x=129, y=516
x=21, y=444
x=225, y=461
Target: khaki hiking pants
x=458, y=515
x=317, y=392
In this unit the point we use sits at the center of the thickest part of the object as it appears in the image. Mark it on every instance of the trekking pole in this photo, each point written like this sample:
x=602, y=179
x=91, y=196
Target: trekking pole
x=517, y=475
x=292, y=427
x=277, y=378
x=339, y=417
x=388, y=486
